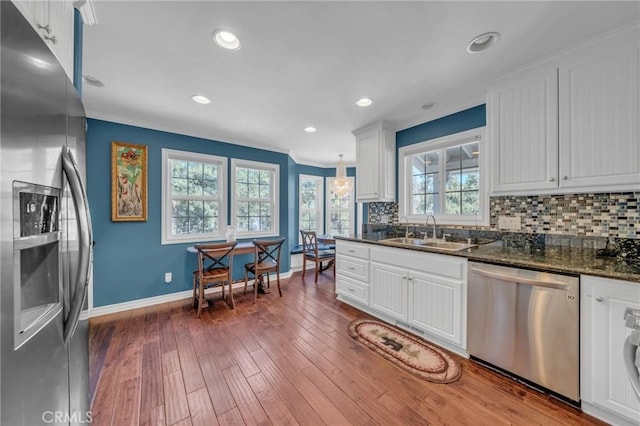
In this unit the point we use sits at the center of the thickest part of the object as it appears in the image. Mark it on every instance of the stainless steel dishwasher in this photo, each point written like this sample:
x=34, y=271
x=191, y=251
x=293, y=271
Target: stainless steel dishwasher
x=527, y=323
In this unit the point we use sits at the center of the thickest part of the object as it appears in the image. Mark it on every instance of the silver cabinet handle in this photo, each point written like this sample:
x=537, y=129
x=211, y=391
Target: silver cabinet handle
x=351, y=268
x=46, y=28
x=551, y=179
x=565, y=177
x=599, y=299
x=351, y=290
x=52, y=39
x=351, y=251
x=85, y=250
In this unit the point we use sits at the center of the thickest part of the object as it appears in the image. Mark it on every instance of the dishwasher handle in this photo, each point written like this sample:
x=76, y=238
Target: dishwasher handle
x=521, y=280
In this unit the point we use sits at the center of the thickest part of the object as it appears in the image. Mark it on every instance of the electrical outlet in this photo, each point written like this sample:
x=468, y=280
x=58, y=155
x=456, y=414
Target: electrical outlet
x=510, y=223
x=167, y=277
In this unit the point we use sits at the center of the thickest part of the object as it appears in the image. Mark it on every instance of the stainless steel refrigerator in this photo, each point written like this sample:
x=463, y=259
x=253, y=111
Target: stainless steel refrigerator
x=45, y=235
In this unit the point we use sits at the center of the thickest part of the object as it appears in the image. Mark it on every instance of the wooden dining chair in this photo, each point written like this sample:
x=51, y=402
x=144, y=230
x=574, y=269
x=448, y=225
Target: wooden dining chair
x=215, y=267
x=266, y=260
x=312, y=254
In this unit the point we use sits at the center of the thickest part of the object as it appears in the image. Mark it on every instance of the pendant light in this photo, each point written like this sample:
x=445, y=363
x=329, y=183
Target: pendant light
x=341, y=185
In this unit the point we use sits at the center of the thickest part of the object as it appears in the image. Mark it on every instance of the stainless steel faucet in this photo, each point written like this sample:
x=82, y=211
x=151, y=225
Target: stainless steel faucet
x=426, y=223
x=407, y=234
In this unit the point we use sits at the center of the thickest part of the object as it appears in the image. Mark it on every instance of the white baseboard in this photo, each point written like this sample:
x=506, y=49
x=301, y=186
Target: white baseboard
x=171, y=297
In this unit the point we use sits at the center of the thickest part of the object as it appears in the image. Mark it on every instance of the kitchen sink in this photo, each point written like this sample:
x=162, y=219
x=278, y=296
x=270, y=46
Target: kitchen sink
x=431, y=243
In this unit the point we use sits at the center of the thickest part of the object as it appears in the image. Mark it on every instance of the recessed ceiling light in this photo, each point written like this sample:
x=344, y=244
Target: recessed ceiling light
x=226, y=39
x=364, y=102
x=428, y=105
x=310, y=129
x=201, y=99
x=92, y=81
x=483, y=42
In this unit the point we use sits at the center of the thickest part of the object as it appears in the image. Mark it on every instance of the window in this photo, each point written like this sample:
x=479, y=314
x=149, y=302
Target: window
x=311, y=203
x=340, y=212
x=443, y=177
x=254, y=192
x=193, y=196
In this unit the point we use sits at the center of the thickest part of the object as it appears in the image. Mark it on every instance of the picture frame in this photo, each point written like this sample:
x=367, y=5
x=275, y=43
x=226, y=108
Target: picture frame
x=128, y=182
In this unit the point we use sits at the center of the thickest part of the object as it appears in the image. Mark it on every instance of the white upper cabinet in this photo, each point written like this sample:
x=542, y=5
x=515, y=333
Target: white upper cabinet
x=599, y=95
x=572, y=124
x=375, y=163
x=53, y=20
x=523, y=121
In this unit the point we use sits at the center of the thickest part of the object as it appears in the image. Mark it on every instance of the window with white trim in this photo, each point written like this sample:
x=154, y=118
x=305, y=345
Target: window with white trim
x=340, y=211
x=311, y=205
x=194, y=196
x=444, y=177
x=255, y=198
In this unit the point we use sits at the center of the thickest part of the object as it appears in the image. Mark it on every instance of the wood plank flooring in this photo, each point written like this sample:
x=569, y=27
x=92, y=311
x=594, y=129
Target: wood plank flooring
x=283, y=361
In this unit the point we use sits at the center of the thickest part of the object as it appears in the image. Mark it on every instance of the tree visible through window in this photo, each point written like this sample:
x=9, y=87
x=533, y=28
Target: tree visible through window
x=255, y=195
x=340, y=213
x=311, y=203
x=193, y=196
x=461, y=186
x=443, y=177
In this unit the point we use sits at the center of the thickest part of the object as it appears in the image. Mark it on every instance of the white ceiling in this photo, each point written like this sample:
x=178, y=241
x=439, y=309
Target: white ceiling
x=305, y=63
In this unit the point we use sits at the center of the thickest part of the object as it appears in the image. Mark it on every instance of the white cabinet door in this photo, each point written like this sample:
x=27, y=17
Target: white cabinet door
x=435, y=306
x=375, y=163
x=604, y=380
x=60, y=19
x=53, y=20
x=389, y=290
x=367, y=157
x=599, y=124
x=523, y=120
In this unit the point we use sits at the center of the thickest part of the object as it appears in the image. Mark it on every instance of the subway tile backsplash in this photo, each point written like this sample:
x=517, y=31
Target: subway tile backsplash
x=599, y=214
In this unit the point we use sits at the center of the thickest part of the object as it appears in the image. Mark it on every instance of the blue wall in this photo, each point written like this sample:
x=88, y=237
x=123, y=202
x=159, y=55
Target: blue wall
x=448, y=125
x=454, y=123
x=302, y=169
x=129, y=261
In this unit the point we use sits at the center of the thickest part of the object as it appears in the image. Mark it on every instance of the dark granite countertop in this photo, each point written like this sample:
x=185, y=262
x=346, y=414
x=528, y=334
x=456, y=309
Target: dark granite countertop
x=566, y=260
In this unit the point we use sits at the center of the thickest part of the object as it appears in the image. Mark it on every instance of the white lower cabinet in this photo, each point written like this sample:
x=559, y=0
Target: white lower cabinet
x=424, y=293
x=389, y=290
x=605, y=388
x=352, y=273
x=436, y=306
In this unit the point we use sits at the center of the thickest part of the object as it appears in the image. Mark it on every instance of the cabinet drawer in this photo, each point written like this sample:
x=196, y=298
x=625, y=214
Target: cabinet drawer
x=352, y=249
x=433, y=263
x=353, y=267
x=352, y=289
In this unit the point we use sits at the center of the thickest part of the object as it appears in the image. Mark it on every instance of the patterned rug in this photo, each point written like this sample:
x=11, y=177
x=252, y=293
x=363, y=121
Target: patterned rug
x=406, y=351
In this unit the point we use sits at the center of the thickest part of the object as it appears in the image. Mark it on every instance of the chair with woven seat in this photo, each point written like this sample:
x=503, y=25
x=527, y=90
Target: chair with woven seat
x=266, y=260
x=311, y=253
x=215, y=266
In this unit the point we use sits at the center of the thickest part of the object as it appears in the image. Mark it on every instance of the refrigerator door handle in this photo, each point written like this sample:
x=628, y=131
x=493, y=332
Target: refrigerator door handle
x=85, y=251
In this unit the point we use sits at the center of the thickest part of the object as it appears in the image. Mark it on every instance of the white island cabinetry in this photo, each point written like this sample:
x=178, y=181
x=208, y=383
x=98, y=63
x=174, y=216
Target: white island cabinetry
x=605, y=387
x=421, y=292
x=352, y=273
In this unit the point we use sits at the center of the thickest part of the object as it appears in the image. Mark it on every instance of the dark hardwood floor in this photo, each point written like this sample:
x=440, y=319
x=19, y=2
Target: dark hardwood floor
x=283, y=360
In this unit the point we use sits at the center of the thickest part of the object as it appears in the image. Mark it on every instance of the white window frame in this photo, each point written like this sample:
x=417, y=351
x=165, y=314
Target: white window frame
x=405, y=178
x=319, y=181
x=221, y=162
x=275, y=197
x=351, y=205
